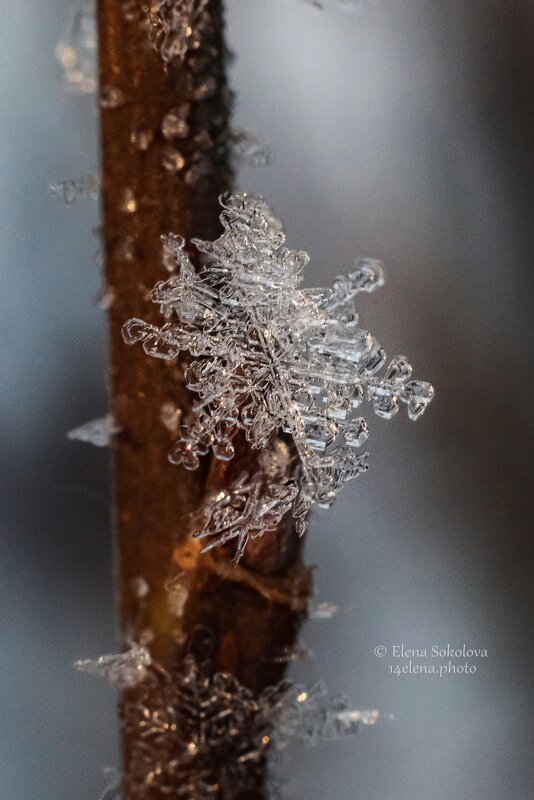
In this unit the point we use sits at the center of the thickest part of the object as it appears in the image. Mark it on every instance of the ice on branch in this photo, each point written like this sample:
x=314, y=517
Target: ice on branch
x=247, y=150
x=190, y=154
x=323, y=610
x=251, y=505
x=98, y=431
x=88, y=186
x=122, y=670
x=196, y=733
x=76, y=52
x=311, y=715
x=176, y=26
x=272, y=357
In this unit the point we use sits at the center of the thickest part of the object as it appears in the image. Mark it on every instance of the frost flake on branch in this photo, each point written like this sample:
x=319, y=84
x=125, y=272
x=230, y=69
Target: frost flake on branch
x=98, y=432
x=200, y=734
x=122, y=670
x=76, y=52
x=271, y=356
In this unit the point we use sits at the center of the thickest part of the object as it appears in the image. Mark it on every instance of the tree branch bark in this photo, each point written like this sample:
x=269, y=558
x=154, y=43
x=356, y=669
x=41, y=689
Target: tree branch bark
x=253, y=610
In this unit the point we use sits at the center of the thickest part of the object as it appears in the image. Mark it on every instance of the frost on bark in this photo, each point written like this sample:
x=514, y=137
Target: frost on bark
x=165, y=161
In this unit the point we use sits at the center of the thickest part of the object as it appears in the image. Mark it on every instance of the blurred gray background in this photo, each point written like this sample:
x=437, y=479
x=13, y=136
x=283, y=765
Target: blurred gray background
x=402, y=131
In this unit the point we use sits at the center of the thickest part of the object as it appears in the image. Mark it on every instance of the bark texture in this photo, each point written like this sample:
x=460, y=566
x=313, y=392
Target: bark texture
x=253, y=610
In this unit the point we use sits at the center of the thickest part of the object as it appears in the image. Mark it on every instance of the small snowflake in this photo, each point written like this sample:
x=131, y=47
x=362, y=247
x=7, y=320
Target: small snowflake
x=271, y=357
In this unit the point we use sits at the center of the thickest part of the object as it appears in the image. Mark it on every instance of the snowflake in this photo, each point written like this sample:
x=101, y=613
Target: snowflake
x=271, y=357
x=198, y=734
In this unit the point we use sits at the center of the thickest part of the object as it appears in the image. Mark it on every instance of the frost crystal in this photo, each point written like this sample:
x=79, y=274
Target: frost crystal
x=324, y=610
x=113, y=787
x=356, y=5
x=88, y=186
x=190, y=155
x=198, y=734
x=170, y=416
x=176, y=26
x=76, y=52
x=271, y=357
x=98, y=431
x=122, y=670
x=310, y=715
x=248, y=150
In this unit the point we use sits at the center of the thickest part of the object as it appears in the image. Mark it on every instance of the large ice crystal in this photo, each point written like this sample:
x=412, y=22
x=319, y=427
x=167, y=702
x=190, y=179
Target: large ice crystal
x=272, y=357
x=196, y=733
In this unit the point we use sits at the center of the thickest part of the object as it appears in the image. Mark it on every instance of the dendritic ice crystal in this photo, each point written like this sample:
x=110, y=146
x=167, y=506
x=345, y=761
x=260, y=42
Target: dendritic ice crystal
x=272, y=357
x=198, y=734
x=76, y=52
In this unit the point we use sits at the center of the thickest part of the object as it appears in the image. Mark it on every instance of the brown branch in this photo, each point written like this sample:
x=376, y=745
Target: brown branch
x=253, y=610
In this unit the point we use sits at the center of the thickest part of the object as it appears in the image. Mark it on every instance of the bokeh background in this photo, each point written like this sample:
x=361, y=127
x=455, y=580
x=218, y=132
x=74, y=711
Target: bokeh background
x=403, y=130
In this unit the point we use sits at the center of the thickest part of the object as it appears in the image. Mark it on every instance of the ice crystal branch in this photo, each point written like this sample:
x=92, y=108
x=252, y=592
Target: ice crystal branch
x=271, y=357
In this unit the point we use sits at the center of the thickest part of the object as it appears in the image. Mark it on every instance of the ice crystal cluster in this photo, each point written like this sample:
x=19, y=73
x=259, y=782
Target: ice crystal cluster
x=200, y=735
x=272, y=357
